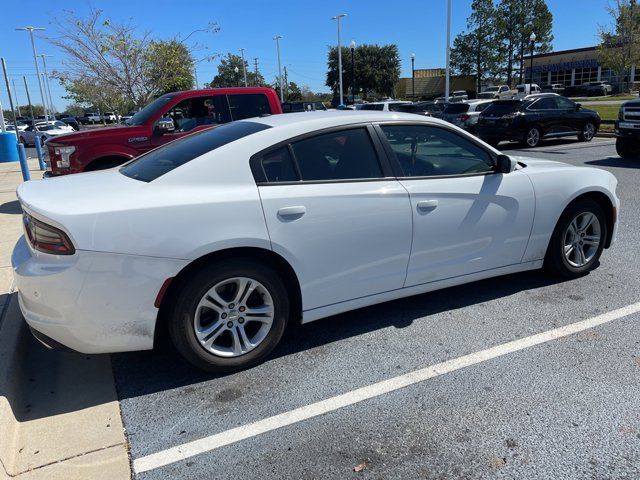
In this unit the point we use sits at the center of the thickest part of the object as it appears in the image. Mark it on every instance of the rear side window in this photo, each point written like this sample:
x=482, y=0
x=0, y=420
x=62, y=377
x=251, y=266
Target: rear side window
x=278, y=166
x=341, y=155
x=502, y=108
x=156, y=163
x=248, y=105
x=457, y=108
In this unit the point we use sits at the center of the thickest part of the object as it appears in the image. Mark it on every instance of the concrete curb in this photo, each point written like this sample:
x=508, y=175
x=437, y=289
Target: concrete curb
x=59, y=414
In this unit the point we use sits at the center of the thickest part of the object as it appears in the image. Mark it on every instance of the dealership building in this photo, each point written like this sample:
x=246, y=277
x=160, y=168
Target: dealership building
x=572, y=67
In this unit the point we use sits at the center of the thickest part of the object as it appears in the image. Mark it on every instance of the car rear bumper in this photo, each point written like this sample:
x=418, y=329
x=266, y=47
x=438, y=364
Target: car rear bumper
x=90, y=302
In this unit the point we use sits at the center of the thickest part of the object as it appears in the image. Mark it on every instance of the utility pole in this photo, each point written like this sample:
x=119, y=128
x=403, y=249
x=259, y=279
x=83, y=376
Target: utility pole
x=255, y=64
x=35, y=59
x=244, y=67
x=448, y=72
x=338, y=17
x=46, y=76
x=277, y=39
x=26, y=89
x=286, y=82
x=15, y=94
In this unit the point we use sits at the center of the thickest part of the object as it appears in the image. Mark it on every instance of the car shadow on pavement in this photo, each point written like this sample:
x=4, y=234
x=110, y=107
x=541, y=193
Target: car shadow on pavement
x=614, y=162
x=143, y=373
x=12, y=207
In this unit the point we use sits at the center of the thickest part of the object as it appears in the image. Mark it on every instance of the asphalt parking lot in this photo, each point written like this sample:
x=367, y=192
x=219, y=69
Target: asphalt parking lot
x=565, y=408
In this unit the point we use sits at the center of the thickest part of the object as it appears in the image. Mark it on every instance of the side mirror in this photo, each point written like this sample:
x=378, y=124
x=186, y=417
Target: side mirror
x=578, y=106
x=505, y=164
x=165, y=125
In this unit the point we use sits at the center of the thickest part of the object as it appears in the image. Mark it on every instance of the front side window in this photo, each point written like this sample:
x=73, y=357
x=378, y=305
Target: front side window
x=341, y=155
x=248, y=105
x=162, y=160
x=199, y=111
x=564, y=103
x=424, y=151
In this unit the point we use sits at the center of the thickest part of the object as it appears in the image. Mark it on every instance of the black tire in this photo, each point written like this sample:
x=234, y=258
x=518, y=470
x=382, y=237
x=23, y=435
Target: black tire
x=555, y=261
x=182, y=314
x=628, y=148
x=589, y=131
x=535, y=140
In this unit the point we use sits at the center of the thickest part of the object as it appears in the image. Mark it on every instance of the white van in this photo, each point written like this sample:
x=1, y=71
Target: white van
x=527, y=89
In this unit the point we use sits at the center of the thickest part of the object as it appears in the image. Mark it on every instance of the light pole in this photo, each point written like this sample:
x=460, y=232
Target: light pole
x=277, y=39
x=15, y=94
x=413, y=77
x=353, y=72
x=338, y=17
x=244, y=67
x=236, y=69
x=532, y=38
x=35, y=59
x=46, y=76
x=448, y=69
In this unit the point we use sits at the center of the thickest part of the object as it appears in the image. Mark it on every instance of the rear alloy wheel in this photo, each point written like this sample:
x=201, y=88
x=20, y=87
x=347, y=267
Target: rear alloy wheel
x=588, y=132
x=578, y=240
x=230, y=316
x=532, y=138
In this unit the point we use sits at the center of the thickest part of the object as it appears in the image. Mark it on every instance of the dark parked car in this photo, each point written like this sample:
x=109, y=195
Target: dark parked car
x=291, y=107
x=596, y=89
x=423, y=108
x=72, y=122
x=553, y=88
x=531, y=120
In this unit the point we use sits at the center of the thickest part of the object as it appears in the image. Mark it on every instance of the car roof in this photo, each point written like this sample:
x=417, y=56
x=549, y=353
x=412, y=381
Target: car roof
x=533, y=96
x=320, y=119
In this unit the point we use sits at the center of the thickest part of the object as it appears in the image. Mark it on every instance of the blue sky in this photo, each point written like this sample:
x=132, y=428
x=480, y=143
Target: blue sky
x=414, y=25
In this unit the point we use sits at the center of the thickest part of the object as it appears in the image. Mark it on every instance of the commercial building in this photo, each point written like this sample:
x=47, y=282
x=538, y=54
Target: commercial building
x=572, y=67
x=430, y=83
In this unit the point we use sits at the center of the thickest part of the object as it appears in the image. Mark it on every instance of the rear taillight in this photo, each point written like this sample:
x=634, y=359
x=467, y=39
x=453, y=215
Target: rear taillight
x=464, y=117
x=46, y=238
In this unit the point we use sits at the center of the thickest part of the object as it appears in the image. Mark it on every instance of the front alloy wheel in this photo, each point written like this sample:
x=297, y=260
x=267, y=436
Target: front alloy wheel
x=229, y=315
x=578, y=240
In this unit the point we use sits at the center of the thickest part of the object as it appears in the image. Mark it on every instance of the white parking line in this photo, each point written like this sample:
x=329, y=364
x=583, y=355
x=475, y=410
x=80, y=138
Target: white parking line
x=207, y=444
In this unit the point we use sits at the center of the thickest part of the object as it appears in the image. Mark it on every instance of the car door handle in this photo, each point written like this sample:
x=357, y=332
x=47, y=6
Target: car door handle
x=292, y=212
x=427, y=204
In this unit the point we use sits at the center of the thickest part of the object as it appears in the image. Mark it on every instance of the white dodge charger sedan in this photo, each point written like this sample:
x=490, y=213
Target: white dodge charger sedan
x=223, y=237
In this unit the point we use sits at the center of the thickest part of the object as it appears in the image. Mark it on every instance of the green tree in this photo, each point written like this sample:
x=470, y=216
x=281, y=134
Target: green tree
x=619, y=47
x=377, y=69
x=515, y=21
x=474, y=52
x=117, y=59
x=24, y=110
x=170, y=66
x=228, y=77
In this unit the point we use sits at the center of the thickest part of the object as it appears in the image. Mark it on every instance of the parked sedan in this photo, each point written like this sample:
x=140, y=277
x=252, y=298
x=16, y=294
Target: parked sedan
x=465, y=114
x=535, y=118
x=307, y=216
x=72, y=122
x=45, y=131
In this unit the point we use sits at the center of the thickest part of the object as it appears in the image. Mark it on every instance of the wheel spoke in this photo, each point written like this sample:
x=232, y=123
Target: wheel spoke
x=214, y=297
x=591, y=240
x=244, y=338
x=246, y=286
x=568, y=249
x=208, y=336
x=237, y=345
x=580, y=258
x=209, y=303
x=587, y=220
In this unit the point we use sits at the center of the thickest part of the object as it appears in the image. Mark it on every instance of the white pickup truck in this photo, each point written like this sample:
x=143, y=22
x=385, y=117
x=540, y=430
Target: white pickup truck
x=93, y=118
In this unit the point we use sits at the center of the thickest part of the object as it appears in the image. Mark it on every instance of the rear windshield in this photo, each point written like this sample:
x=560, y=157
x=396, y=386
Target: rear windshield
x=372, y=106
x=157, y=162
x=457, y=108
x=502, y=108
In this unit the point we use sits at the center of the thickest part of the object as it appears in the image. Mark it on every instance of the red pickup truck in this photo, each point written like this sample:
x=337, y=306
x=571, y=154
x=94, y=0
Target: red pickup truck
x=168, y=117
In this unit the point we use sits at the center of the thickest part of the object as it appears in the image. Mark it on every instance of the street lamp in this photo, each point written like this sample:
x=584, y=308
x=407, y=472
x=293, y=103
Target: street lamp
x=532, y=38
x=46, y=76
x=244, y=67
x=277, y=39
x=236, y=69
x=413, y=77
x=353, y=72
x=35, y=59
x=338, y=17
